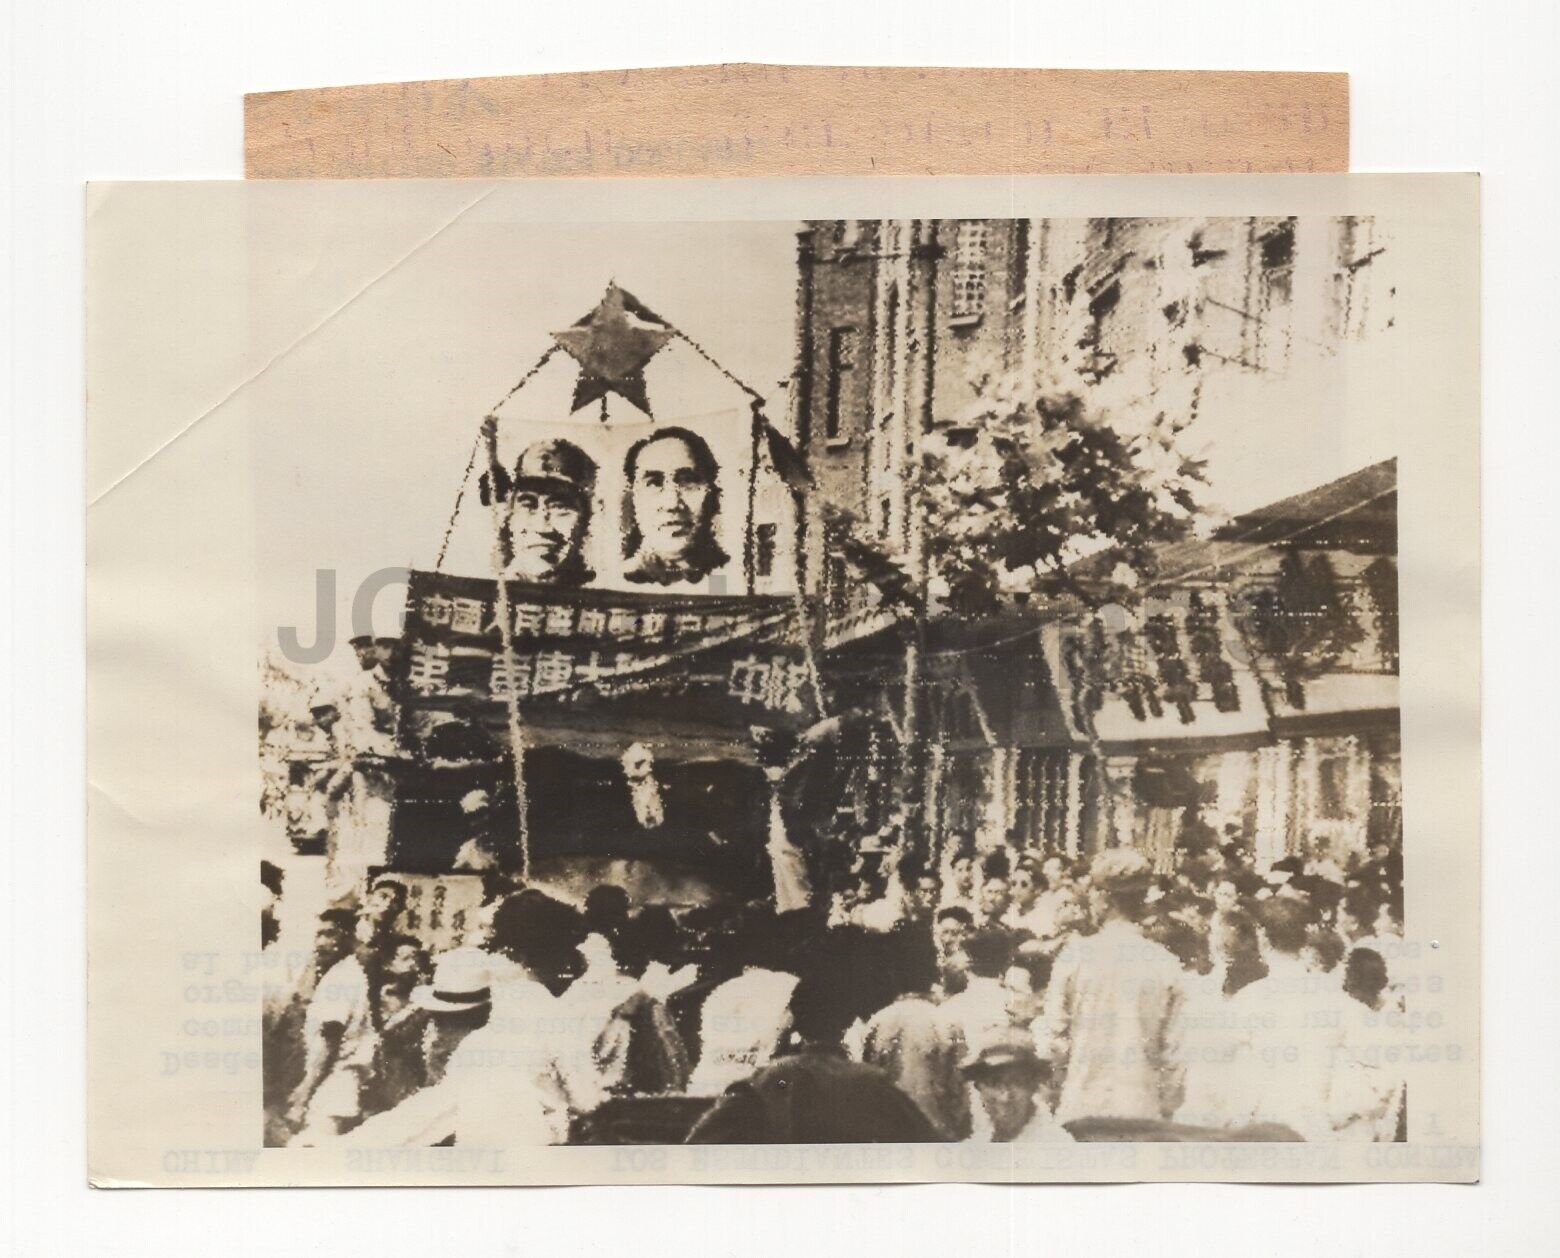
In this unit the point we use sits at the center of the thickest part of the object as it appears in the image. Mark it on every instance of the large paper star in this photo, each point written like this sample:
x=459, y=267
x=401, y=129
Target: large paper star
x=612, y=344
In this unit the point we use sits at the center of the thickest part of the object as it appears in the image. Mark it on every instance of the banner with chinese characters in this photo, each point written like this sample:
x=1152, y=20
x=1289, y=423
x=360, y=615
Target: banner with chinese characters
x=685, y=658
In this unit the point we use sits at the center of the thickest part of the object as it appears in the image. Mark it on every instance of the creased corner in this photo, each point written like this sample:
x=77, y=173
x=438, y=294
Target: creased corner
x=284, y=353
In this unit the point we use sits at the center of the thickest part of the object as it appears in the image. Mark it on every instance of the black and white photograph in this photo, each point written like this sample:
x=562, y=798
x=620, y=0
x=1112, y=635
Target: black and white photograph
x=979, y=721
x=739, y=680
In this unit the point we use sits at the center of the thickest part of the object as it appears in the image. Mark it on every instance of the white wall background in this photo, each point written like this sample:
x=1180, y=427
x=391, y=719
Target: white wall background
x=152, y=89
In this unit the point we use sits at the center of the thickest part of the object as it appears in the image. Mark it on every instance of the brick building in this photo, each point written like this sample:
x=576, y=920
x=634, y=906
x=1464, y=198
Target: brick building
x=1047, y=726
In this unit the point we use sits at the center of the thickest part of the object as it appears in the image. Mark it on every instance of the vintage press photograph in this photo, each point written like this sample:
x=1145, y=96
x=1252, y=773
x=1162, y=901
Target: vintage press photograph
x=924, y=680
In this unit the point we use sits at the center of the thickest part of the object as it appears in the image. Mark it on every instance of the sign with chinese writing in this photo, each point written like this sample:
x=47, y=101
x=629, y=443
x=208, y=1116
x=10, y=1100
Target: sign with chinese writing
x=732, y=660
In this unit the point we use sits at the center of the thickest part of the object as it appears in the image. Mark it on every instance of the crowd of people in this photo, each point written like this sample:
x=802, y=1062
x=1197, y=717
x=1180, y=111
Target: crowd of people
x=989, y=996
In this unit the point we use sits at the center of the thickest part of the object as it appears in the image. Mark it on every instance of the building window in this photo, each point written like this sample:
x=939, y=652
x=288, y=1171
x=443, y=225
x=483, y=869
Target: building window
x=764, y=549
x=1276, y=248
x=1335, y=776
x=1275, y=257
x=838, y=586
x=1102, y=334
x=1357, y=249
x=969, y=270
x=842, y=362
x=847, y=234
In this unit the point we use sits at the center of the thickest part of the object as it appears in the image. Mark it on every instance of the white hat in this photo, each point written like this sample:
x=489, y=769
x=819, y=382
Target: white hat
x=462, y=981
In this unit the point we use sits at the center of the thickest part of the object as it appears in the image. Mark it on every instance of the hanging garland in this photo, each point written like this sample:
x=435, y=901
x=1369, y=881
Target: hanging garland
x=1302, y=622
x=1202, y=635
x=1381, y=583
x=1179, y=688
x=1135, y=684
x=1084, y=669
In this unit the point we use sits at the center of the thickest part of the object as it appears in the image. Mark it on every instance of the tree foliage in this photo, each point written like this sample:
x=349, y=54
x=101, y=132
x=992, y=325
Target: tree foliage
x=1021, y=490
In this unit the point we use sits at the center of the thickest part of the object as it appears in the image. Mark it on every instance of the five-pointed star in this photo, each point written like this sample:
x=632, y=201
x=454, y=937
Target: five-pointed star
x=612, y=344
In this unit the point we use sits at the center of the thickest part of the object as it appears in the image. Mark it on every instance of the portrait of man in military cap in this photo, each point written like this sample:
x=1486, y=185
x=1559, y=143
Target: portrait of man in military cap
x=548, y=514
x=671, y=507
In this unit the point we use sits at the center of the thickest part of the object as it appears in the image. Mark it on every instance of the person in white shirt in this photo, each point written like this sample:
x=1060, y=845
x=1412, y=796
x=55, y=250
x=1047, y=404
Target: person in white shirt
x=476, y=854
x=1112, y=1020
x=367, y=710
x=741, y=1028
x=1296, y=1063
x=917, y=1045
x=341, y=1041
x=590, y=1003
x=1378, y=1047
x=1211, y=1036
x=744, y=1021
x=522, y=1077
x=982, y=1008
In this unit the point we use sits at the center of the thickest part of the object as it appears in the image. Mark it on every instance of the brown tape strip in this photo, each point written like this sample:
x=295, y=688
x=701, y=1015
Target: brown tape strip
x=804, y=120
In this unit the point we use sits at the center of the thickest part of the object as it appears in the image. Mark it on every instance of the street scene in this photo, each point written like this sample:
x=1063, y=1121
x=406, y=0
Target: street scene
x=982, y=727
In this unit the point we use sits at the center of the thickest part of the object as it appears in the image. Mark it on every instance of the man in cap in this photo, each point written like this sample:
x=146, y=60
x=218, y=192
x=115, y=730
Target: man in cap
x=1112, y=1024
x=367, y=711
x=548, y=515
x=356, y=785
x=1006, y=1074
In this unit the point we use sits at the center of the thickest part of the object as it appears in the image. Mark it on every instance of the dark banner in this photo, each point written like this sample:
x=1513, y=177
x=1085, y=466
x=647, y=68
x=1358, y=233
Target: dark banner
x=716, y=659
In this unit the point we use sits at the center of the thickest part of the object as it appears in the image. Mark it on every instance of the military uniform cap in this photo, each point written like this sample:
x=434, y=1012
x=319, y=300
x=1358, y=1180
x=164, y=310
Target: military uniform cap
x=556, y=465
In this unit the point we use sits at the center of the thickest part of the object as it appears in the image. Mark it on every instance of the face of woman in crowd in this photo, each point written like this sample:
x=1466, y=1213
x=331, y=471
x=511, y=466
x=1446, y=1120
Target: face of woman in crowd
x=672, y=498
x=963, y=875
x=546, y=528
x=1023, y=887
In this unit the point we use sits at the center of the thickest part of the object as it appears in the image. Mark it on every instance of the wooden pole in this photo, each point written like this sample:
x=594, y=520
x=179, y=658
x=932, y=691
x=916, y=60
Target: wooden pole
x=501, y=560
